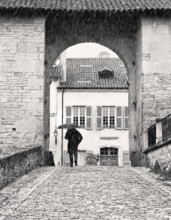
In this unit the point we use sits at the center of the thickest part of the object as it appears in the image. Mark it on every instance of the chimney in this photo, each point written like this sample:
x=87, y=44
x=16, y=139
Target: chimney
x=104, y=54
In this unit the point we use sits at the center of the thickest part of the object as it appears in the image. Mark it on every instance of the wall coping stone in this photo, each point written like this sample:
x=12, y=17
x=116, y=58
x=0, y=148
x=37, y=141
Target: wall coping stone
x=21, y=150
x=157, y=146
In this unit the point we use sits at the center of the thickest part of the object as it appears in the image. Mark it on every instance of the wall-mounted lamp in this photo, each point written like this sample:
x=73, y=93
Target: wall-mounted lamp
x=135, y=105
x=55, y=133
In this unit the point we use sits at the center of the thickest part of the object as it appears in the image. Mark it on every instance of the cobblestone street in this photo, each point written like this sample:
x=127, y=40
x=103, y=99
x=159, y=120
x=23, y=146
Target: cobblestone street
x=85, y=193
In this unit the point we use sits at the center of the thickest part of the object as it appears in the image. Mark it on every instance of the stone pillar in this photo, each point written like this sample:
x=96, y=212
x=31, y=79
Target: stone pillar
x=53, y=118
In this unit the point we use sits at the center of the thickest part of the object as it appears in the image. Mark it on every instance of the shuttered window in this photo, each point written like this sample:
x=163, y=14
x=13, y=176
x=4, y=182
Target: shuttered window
x=68, y=114
x=126, y=126
x=105, y=117
x=89, y=117
x=99, y=117
x=79, y=115
x=119, y=117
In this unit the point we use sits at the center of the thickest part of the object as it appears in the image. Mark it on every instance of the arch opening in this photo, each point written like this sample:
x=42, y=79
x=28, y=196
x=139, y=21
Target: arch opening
x=82, y=77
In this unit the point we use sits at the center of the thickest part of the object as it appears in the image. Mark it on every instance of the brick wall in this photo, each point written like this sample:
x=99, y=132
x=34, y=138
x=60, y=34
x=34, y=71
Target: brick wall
x=21, y=80
x=19, y=163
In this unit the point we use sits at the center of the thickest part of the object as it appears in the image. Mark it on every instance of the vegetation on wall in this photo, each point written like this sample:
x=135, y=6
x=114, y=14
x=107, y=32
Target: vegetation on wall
x=92, y=159
x=163, y=170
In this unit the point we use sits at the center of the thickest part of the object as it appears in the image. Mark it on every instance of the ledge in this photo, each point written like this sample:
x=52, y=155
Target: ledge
x=16, y=164
x=109, y=138
x=19, y=151
x=157, y=146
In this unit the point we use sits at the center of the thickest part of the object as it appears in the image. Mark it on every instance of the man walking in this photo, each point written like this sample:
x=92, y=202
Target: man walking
x=74, y=138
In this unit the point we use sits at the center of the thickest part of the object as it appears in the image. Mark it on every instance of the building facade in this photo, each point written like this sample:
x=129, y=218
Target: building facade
x=95, y=97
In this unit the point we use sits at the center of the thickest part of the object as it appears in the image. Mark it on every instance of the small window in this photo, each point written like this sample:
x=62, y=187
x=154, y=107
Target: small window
x=86, y=68
x=104, y=151
x=114, y=151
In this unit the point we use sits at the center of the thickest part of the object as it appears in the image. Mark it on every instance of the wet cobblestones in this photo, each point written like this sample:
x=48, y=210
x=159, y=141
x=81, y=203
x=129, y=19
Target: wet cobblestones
x=85, y=193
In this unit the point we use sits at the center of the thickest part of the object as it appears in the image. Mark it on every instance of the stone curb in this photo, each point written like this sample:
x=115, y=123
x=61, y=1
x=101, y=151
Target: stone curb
x=153, y=181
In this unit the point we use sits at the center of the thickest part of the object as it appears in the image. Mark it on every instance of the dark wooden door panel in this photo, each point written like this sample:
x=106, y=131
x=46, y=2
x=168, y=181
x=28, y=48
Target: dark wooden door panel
x=110, y=158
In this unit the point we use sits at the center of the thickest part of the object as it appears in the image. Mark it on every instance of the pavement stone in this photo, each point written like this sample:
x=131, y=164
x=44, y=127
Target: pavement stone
x=88, y=193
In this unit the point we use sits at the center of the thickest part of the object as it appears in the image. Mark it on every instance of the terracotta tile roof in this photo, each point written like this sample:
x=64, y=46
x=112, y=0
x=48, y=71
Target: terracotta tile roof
x=79, y=5
x=82, y=73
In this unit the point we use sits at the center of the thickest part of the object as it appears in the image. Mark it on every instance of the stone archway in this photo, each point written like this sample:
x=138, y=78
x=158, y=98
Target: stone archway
x=120, y=39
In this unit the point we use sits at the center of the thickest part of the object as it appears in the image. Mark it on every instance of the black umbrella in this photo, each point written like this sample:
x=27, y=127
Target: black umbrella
x=68, y=126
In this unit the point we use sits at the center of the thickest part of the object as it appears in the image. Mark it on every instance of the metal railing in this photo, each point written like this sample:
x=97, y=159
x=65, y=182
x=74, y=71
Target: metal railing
x=152, y=135
x=166, y=128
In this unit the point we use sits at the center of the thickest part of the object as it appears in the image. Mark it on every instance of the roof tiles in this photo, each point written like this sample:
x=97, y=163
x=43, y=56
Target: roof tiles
x=82, y=73
x=87, y=5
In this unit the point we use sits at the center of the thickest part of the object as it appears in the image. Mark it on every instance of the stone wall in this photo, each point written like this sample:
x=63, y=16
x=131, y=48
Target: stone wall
x=153, y=74
x=156, y=62
x=144, y=47
x=160, y=158
x=22, y=48
x=18, y=164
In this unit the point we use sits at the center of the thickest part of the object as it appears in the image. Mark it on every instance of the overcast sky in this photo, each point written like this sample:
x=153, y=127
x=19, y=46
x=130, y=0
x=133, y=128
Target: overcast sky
x=87, y=50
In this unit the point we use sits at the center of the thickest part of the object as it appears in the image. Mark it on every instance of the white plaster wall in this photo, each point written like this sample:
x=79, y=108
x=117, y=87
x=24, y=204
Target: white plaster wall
x=91, y=138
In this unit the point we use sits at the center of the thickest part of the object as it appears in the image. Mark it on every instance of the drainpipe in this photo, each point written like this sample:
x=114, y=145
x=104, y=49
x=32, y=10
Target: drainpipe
x=62, y=128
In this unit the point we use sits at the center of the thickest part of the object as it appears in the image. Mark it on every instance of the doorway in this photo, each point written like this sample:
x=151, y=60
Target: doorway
x=109, y=156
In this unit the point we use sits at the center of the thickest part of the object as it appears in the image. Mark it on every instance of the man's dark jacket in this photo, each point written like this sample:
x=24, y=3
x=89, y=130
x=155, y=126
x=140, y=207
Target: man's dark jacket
x=74, y=138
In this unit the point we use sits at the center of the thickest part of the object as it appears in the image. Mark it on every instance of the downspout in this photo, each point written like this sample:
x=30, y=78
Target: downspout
x=62, y=128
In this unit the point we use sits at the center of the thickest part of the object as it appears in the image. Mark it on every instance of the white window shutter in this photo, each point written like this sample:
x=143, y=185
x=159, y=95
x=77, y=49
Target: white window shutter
x=119, y=116
x=88, y=117
x=126, y=126
x=68, y=114
x=99, y=117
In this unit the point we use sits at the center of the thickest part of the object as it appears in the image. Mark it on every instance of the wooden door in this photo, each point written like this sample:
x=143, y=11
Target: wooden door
x=109, y=156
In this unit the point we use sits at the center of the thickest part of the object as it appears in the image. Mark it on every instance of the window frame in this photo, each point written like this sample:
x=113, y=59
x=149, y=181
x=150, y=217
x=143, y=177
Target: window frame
x=79, y=114
x=108, y=116
x=71, y=117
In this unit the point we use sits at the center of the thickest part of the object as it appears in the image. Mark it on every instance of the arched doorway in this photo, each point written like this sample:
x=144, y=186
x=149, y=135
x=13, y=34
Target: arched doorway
x=116, y=34
x=92, y=86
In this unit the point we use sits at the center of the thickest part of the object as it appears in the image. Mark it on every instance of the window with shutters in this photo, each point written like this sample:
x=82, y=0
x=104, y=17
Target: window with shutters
x=126, y=126
x=79, y=115
x=105, y=117
x=108, y=116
